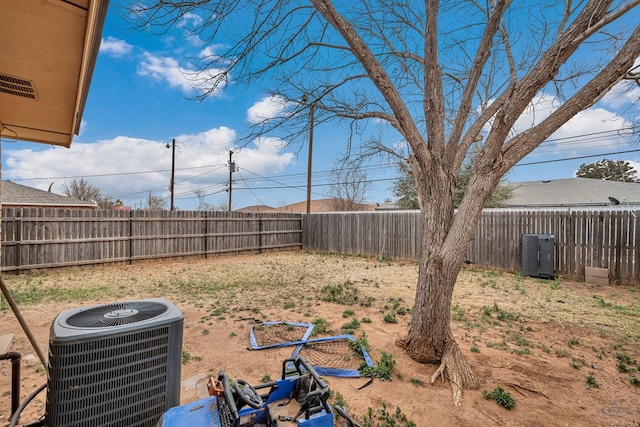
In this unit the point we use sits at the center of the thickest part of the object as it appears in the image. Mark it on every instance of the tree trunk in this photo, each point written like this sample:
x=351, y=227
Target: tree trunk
x=429, y=338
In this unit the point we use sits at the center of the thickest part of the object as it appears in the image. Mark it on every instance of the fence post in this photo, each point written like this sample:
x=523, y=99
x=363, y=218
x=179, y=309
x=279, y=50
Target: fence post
x=130, y=237
x=259, y=233
x=18, y=240
x=205, y=234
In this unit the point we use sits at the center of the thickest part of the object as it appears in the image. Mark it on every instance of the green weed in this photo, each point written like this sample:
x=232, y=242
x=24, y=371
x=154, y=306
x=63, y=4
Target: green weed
x=416, y=382
x=457, y=313
x=383, y=369
x=350, y=327
x=266, y=378
x=591, y=381
x=502, y=397
x=390, y=318
x=384, y=418
x=360, y=343
x=320, y=326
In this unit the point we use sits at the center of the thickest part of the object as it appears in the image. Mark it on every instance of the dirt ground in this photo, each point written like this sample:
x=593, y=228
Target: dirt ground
x=568, y=353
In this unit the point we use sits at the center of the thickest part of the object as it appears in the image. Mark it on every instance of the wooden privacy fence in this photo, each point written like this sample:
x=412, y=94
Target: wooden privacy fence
x=43, y=238
x=582, y=238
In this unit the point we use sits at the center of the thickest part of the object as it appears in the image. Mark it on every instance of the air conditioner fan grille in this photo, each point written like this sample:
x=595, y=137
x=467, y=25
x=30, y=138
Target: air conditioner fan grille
x=116, y=314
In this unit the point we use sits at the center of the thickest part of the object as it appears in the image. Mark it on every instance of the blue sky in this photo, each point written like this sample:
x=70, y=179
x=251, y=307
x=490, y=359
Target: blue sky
x=140, y=99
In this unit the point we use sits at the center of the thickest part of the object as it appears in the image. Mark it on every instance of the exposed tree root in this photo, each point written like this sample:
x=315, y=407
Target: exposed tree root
x=517, y=387
x=453, y=364
x=458, y=372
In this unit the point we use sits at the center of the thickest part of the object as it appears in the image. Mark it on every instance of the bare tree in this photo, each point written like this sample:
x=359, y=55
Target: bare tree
x=443, y=75
x=82, y=190
x=349, y=187
x=156, y=202
x=202, y=204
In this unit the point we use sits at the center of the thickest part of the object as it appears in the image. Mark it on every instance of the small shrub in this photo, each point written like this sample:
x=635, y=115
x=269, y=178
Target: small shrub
x=351, y=326
x=390, y=318
x=499, y=345
x=591, y=381
x=385, y=418
x=457, y=313
x=360, y=343
x=320, y=326
x=347, y=313
x=339, y=400
x=265, y=378
x=383, y=369
x=573, y=341
x=416, y=381
x=345, y=294
x=502, y=397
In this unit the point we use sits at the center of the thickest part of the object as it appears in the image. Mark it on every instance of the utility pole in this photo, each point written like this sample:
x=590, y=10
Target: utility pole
x=173, y=169
x=232, y=169
x=312, y=109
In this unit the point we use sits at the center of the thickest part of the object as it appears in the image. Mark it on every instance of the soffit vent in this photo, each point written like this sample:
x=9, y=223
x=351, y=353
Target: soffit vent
x=16, y=86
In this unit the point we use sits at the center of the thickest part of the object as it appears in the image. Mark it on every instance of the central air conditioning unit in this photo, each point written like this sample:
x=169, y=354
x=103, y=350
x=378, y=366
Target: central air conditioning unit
x=114, y=365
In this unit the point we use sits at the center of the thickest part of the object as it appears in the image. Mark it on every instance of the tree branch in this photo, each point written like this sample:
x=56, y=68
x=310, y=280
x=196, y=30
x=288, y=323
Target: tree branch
x=589, y=94
x=378, y=75
x=482, y=55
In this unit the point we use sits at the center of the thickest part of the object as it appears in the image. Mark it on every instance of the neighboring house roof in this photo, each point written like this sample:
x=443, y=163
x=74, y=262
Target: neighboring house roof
x=573, y=192
x=49, y=50
x=16, y=195
x=318, y=205
x=256, y=209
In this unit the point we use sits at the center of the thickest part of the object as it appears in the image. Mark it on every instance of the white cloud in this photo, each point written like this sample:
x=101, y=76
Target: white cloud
x=593, y=121
x=115, y=47
x=165, y=69
x=83, y=127
x=624, y=93
x=540, y=108
x=129, y=168
x=211, y=52
x=595, y=129
x=189, y=20
x=267, y=108
x=190, y=23
x=187, y=80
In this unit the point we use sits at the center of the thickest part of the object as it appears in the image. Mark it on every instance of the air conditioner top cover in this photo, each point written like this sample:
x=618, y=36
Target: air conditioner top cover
x=115, y=317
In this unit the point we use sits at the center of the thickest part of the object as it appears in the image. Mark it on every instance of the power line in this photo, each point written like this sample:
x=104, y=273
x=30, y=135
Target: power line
x=120, y=173
x=576, y=158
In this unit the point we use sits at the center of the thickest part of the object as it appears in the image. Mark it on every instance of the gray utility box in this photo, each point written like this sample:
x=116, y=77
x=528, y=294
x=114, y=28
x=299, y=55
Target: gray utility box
x=538, y=256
